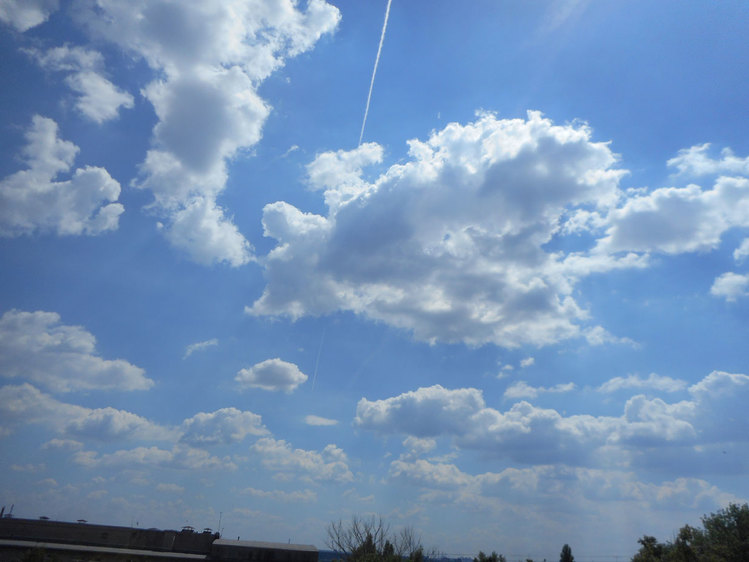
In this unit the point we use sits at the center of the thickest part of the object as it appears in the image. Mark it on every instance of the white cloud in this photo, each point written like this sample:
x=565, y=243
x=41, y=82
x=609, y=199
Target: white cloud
x=271, y=374
x=521, y=389
x=731, y=286
x=199, y=346
x=742, y=251
x=528, y=434
x=282, y=496
x=170, y=488
x=597, y=335
x=31, y=200
x=203, y=232
x=99, y=100
x=210, y=59
x=25, y=14
x=35, y=346
x=675, y=220
x=329, y=464
x=559, y=485
x=319, y=420
x=426, y=412
x=179, y=457
x=654, y=381
x=450, y=244
x=227, y=425
x=25, y=404
x=695, y=161
x=527, y=362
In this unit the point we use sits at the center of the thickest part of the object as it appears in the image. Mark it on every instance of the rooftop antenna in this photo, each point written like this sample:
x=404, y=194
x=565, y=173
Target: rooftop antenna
x=220, y=513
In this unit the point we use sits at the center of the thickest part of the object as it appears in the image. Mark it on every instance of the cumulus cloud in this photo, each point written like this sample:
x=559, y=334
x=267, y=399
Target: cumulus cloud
x=282, y=496
x=696, y=161
x=654, y=381
x=227, y=425
x=99, y=99
x=271, y=374
x=209, y=59
x=25, y=14
x=528, y=434
x=37, y=347
x=675, y=220
x=32, y=200
x=329, y=464
x=731, y=286
x=319, y=420
x=450, y=244
x=521, y=389
x=25, y=404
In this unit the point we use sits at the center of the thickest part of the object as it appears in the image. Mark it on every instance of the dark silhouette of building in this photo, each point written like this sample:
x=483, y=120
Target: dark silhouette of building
x=25, y=539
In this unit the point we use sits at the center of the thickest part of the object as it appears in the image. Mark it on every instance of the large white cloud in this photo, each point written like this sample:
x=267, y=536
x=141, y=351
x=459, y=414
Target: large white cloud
x=33, y=200
x=25, y=14
x=99, y=99
x=528, y=434
x=210, y=59
x=271, y=374
x=329, y=464
x=450, y=244
x=37, y=347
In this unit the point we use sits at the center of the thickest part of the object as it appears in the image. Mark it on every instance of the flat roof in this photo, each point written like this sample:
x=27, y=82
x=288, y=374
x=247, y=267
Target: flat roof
x=267, y=545
x=102, y=549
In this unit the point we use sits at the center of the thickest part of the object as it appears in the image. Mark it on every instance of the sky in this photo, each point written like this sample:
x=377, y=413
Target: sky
x=513, y=316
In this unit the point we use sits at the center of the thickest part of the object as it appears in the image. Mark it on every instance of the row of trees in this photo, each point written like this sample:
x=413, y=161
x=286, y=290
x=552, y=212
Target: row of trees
x=372, y=540
x=724, y=536
x=564, y=556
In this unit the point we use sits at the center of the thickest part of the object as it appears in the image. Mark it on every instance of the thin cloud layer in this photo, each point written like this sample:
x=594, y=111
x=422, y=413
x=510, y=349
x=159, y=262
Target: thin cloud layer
x=209, y=65
x=36, y=346
x=33, y=200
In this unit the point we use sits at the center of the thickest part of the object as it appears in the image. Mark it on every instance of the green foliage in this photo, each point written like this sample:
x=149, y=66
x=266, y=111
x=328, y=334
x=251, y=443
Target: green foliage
x=566, y=554
x=724, y=537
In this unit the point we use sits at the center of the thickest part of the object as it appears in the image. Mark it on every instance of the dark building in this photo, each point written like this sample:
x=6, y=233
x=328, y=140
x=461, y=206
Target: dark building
x=31, y=539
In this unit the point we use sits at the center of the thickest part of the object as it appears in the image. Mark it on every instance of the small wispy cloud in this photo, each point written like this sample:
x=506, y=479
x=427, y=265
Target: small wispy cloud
x=199, y=346
x=319, y=420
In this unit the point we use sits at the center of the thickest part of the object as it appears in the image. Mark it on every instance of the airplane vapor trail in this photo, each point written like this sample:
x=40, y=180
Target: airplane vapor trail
x=374, y=71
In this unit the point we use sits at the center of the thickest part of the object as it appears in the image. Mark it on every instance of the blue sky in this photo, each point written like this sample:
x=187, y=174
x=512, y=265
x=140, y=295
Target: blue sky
x=514, y=317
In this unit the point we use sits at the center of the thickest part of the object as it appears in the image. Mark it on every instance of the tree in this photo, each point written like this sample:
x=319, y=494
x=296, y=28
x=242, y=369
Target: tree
x=566, y=554
x=724, y=536
x=370, y=540
x=493, y=557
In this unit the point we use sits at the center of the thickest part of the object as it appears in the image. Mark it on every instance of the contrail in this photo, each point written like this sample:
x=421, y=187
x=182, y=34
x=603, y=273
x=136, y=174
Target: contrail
x=374, y=71
x=317, y=361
